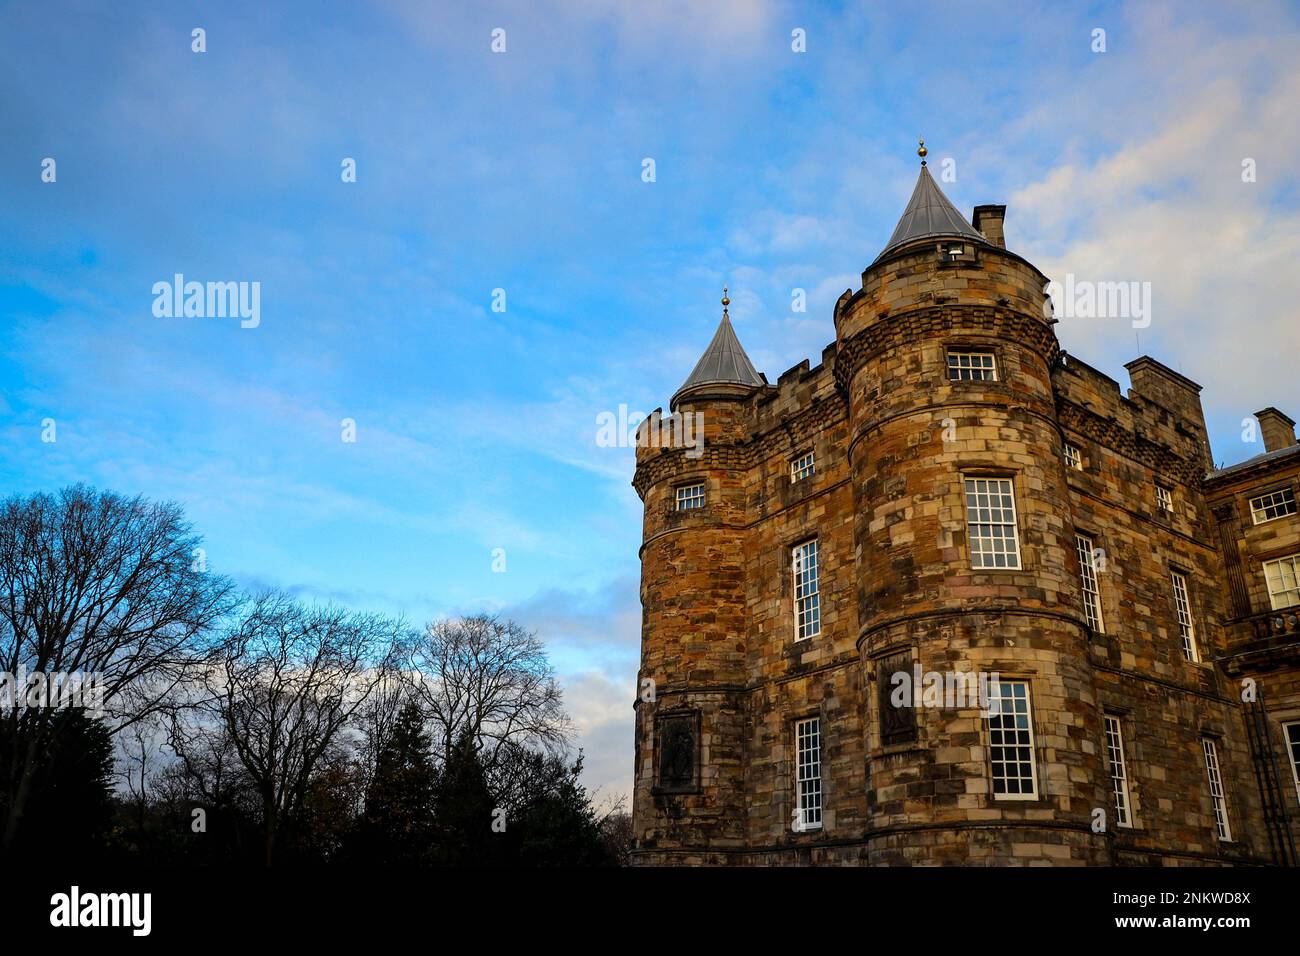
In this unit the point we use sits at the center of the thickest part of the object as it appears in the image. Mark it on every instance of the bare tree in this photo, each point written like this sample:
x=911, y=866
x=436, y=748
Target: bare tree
x=95, y=584
x=617, y=834
x=140, y=761
x=376, y=720
x=289, y=680
x=488, y=678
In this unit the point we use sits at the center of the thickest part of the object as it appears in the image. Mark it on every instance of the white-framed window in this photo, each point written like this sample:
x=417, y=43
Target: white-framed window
x=1291, y=732
x=1011, y=741
x=1283, y=579
x=1073, y=457
x=971, y=367
x=1183, y=607
x=1118, y=771
x=991, y=523
x=807, y=598
x=1217, y=795
x=1088, y=574
x=1275, y=504
x=1164, y=498
x=808, y=776
x=802, y=467
x=690, y=496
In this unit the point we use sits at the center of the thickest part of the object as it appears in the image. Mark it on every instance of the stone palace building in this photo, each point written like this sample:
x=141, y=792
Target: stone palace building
x=948, y=501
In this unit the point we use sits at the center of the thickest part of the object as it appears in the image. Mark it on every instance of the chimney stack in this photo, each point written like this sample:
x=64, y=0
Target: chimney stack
x=1278, y=430
x=988, y=221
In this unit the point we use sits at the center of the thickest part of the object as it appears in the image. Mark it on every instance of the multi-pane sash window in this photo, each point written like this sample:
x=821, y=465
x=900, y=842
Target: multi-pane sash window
x=991, y=523
x=972, y=367
x=1283, y=577
x=1118, y=771
x=1292, y=733
x=802, y=467
x=1164, y=498
x=808, y=760
x=807, y=600
x=1011, y=741
x=1073, y=459
x=690, y=496
x=1216, y=788
x=1088, y=573
x=1275, y=504
x=1183, y=606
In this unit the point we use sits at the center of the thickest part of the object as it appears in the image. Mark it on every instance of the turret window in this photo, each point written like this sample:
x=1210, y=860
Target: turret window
x=1164, y=498
x=1088, y=565
x=802, y=467
x=1183, y=607
x=1011, y=741
x=690, y=496
x=1217, y=795
x=966, y=366
x=1073, y=459
x=991, y=523
x=1118, y=771
x=807, y=599
x=808, y=761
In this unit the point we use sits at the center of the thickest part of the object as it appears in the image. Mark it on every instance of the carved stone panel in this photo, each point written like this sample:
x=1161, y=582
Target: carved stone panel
x=897, y=724
x=677, y=741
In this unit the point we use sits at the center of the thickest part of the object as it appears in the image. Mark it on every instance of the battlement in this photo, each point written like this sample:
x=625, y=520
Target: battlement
x=1161, y=412
x=796, y=390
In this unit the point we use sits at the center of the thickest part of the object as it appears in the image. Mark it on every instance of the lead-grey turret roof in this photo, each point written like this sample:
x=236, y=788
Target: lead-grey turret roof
x=929, y=214
x=724, y=362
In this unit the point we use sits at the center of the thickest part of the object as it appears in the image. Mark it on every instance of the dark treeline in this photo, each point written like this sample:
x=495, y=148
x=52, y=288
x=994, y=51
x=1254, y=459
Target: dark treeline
x=220, y=727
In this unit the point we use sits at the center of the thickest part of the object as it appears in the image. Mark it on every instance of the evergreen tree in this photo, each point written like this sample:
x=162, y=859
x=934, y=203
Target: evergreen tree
x=398, y=823
x=71, y=807
x=464, y=810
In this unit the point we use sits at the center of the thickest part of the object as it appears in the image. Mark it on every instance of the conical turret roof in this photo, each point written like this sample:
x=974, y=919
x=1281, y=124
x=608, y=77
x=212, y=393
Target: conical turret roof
x=929, y=214
x=724, y=362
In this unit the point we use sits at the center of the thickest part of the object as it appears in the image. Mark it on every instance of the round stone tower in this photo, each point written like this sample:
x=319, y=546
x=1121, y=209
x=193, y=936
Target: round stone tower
x=967, y=558
x=689, y=780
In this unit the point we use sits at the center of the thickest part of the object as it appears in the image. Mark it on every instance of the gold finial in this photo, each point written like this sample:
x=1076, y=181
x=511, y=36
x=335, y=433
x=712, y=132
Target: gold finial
x=725, y=301
x=922, y=151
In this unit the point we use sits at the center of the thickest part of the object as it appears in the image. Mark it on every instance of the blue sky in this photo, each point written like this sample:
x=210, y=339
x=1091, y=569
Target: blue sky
x=476, y=429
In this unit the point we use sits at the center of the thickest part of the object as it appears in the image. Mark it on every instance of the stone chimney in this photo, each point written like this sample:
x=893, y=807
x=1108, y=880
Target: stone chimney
x=1278, y=430
x=988, y=220
x=1174, y=392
